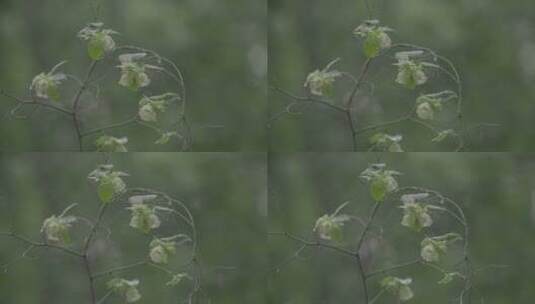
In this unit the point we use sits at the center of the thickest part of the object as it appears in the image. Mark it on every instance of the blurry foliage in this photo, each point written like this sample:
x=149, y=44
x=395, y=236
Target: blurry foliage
x=225, y=193
x=220, y=47
x=492, y=188
x=491, y=43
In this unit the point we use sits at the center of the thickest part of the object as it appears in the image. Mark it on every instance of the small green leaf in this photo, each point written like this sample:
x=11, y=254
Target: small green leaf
x=378, y=189
x=53, y=93
x=99, y=40
x=95, y=48
x=106, y=190
x=382, y=181
x=372, y=45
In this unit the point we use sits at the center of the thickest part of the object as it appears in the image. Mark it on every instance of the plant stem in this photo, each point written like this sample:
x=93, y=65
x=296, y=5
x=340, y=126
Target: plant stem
x=351, y=125
x=118, y=269
x=90, y=279
x=363, y=278
x=36, y=244
x=85, y=251
x=314, y=243
x=367, y=227
x=116, y=125
x=351, y=98
x=395, y=267
x=76, y=102
x=362, y=272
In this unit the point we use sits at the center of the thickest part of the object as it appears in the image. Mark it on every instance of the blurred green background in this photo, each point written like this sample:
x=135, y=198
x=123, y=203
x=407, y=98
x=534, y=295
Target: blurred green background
x=494, y=189
x=220, y=46
x=225, y=192
x=491, y=42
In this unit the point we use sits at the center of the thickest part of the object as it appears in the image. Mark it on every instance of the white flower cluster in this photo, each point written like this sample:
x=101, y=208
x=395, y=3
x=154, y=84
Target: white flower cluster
x=56, y=228
x=382, y=181
x=415, y=214
x=329, y=226
x=106, y=143
x=151, y=106
x=144, y=216
x=398, y=287
x=160, y=250
x=110, y=182
x=321, y=82
x=433, y=248
x=387, y=142
x=375, y=37
x=45, y=85
x=125, y=288
x=427, y=105
x=99, y=40
x=133, y=71
x=410, y=72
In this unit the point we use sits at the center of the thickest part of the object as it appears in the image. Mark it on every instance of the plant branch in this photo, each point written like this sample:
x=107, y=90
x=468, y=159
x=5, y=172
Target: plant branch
x=392, y=268
x=112, y=126
x=76, y=102
x=41, y=244
x=309, y=99
x=118, y=269
x=21, y=102
x=367, y=227
x=314, y=243
x=85, y=252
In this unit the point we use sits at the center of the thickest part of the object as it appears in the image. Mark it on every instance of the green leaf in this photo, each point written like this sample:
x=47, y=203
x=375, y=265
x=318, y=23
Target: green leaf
x=106, y=190
x=379, y=189
x=95, y=48
x=376, y=40
x=372, y=45
x=53, y=93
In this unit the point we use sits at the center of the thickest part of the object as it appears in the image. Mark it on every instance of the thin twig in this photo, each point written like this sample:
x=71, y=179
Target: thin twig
x=314, y=243
x=118, y=269
x=75, y=104
x=112, y=126
x=40, y=244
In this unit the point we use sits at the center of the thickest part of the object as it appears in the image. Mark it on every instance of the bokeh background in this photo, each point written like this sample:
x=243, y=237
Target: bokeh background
x=491, y=43
x=220, y=46
x=494, y=189
x=225, y=192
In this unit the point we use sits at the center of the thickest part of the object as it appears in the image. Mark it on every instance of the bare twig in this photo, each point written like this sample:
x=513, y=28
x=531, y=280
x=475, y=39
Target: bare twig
x=40, y=244
x=76, y=101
